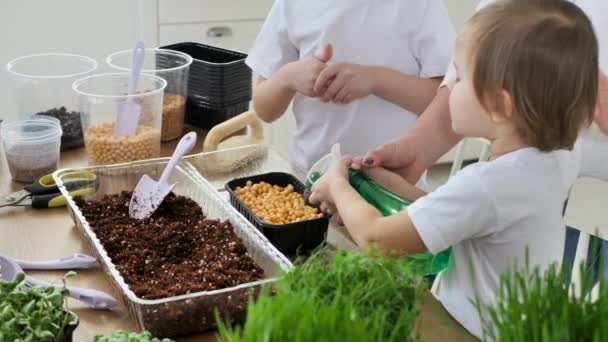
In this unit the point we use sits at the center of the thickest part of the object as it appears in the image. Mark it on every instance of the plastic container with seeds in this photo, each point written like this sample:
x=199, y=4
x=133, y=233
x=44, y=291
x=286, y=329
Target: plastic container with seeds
x=43, y=86
x=99, y=97
x=31, y=147
x=173, y=67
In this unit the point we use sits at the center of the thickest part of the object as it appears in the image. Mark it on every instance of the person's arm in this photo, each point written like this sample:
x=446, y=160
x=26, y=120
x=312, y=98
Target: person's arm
x=273, y=95
x=393, y=235
x=425, y=142
x=390, y=84
x=346, y=82
x=434, y=130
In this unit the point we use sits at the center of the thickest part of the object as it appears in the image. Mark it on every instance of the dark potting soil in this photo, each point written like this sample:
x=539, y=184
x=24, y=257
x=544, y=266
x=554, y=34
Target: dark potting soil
x=70, y=124
x=174, y=252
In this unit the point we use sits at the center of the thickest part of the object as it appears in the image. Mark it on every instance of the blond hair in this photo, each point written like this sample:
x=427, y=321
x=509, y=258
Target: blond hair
x=544, y=53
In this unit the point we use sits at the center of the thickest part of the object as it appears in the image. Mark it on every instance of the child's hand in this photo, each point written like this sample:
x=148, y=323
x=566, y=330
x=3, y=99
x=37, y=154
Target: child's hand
x=300, y=76
x=321, y=189
x=344, y=82
x=601, y=113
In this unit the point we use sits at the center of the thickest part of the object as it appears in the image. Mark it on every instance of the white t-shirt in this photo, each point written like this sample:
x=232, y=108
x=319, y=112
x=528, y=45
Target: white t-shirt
x=412, y=36
x=490, y=212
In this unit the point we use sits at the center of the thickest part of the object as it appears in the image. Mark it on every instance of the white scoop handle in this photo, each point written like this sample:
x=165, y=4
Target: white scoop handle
x=93, y=298
x=70, y=262
x=136, y=66
x=184, y=146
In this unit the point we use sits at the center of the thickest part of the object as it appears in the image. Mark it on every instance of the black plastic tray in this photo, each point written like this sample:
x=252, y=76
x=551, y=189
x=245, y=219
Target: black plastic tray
x=219, y=83
x=204, y=117
x=290, y=238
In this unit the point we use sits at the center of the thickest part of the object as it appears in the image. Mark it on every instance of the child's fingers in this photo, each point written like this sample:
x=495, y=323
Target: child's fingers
x=349, y=98
x=336, y=219
x=342, y=94
x=356, y=163
x=346, y=159
x=314, y=198
x=334, y=88
x=328, y=73
x=328, y=208
x=326, y=54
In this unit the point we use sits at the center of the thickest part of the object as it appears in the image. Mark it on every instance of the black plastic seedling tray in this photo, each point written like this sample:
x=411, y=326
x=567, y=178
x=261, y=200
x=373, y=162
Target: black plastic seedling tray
x=219, y=83
x=289, y=238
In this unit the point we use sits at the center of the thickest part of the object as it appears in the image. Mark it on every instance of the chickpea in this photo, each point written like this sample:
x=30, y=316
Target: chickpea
x=275, y=204
x=103, y=147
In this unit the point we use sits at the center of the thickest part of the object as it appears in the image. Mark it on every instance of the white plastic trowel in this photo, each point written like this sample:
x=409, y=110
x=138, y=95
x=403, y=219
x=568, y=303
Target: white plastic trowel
x=129, y=111
x=149, y=194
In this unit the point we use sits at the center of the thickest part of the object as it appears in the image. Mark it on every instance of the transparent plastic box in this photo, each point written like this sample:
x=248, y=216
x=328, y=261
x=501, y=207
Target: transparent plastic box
x=190, y=313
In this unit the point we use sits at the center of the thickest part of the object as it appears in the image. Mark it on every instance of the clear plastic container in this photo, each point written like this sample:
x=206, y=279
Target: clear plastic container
x=31, y=147
x=99, y=98
x=43, y=85
x=173, y=67
x=188, y=313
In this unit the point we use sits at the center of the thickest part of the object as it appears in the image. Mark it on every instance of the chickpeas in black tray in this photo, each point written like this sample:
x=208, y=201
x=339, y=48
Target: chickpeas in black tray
x=275, y=204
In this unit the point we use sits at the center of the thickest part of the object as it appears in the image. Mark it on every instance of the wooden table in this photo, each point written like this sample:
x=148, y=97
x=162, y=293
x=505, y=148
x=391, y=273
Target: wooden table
x=33, y=234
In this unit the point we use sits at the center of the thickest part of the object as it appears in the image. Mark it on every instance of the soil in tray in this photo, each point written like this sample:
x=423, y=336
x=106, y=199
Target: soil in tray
x=176, y=251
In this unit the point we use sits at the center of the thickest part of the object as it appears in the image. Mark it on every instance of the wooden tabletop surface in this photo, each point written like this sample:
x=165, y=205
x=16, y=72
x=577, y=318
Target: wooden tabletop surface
x=43, y=234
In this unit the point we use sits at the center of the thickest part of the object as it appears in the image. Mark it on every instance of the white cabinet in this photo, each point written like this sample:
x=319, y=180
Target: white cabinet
x=232, y=35
x=190, y=11
x=229, y=24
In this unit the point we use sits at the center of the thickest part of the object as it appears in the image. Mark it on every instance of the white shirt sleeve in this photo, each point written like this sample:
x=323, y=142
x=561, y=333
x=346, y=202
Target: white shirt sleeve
x=273, y=47
x=593, y=147
x=450, y=73
x=435, y=40
x=462, y=209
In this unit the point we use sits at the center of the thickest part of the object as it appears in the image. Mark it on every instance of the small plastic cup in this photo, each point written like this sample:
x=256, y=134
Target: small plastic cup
x=31, y=147
x=99, y=98
x=173, y=67
x=43, y=86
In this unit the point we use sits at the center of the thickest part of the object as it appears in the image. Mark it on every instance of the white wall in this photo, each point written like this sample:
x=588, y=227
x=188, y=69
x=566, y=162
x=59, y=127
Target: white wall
x=94, y=28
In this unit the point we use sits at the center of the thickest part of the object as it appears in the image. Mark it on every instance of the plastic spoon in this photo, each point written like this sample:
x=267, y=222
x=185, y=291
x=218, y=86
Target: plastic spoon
x=129, y=110
x=71, y=262
x=93, y=298
x=148, y=194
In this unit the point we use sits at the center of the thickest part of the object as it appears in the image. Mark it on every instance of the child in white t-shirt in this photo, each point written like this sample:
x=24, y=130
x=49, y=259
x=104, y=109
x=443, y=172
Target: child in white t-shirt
x=385, y=65
x=527, y=81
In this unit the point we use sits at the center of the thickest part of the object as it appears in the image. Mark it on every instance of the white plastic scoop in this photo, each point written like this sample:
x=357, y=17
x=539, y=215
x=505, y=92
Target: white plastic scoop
x=148, y=194
x=129, y=110
x=93, y=298
x=70, y=262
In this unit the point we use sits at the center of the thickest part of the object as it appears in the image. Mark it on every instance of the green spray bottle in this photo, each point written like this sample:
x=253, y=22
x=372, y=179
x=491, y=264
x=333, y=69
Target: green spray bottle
x=388, y=204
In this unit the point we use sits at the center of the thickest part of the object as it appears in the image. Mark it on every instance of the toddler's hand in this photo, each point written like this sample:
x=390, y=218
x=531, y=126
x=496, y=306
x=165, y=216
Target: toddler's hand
x=300, y=76
x=344, y=82
x=321, y=189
